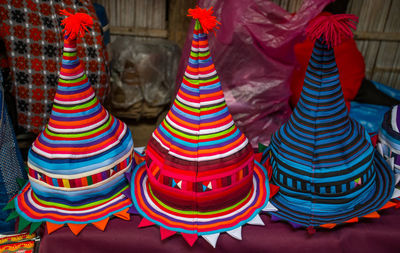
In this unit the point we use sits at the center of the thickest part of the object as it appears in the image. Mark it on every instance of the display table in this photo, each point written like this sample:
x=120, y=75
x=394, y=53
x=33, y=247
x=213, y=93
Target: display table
x=370, y=235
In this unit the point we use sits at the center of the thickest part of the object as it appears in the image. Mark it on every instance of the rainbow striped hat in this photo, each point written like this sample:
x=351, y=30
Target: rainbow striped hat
x=77, y=164
x=199, y=177
x=323, y=161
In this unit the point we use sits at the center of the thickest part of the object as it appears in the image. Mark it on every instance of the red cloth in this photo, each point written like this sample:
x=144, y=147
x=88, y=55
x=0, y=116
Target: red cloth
x=349, y=61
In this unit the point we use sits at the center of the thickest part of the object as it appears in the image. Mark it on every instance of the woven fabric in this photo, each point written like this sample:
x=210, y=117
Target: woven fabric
x=11, y=163
x=77, y=164
x=33, y=39
x=323, y=161
x=201, y=176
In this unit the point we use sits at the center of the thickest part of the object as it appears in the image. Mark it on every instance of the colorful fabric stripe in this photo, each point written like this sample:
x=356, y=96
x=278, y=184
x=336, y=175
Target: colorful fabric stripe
x=323, y=161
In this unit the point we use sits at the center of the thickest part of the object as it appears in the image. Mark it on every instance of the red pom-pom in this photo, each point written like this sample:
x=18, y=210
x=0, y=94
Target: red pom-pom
x=332, y=28
x=75, y=24
x=207, y=21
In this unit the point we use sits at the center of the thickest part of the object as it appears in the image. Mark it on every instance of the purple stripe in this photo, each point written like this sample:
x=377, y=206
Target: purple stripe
x=176, y=143
x=71, y=92
x=70, y=65
x=173, y=109
x=200, y=64
x=210, y=91
x=214, y=118
x=189, y=92
x=398, y=116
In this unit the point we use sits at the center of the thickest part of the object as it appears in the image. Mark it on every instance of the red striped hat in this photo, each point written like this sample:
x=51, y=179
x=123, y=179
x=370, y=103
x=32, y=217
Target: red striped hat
x=199, y=177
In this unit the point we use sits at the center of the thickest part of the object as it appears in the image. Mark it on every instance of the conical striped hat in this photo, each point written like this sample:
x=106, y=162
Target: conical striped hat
x=199, y=175
x=323, y=161
x=77, y=164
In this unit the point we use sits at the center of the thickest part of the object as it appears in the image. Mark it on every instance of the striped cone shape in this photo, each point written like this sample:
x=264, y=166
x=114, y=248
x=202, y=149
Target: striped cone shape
x=199, y=175
x=77, y=164
x=323, y=161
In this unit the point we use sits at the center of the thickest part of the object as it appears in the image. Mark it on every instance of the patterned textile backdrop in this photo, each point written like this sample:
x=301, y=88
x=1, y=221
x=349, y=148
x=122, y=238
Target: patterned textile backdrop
x=33, y=39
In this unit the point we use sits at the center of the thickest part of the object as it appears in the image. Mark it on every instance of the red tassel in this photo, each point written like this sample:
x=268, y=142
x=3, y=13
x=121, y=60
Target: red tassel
x=207, y=20
x=332, y=28
x=75, y=24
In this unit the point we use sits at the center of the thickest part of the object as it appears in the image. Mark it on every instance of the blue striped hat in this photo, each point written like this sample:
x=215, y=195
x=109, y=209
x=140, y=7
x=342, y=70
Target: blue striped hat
x=323, y=161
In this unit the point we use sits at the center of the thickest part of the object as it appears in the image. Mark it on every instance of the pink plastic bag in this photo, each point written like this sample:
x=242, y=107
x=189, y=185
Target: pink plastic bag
x=254, y=57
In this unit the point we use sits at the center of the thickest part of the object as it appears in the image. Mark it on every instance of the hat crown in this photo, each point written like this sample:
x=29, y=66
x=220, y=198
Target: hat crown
x=197, y=151
x=320, y=150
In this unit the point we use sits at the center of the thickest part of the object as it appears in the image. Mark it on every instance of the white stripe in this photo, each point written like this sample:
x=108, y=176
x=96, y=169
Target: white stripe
x=78, y=130
x=198, y=75
x=74, y=102
x=248, y=204
x=212, y=102
x=72, y=77
x=192, y=104
x=69, y=49
x=213, y=157
x=198, y=49
x=68, y=212
x=64, y=156
x=394, y=119
x=85, y=174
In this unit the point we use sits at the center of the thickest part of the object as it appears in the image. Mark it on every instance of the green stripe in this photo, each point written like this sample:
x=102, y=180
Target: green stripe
x=89, y=180
x=48, y=203
x=200, y=137
x=69, y=53
x=70, y=135
x=72, y=81
x=76, y=107
x=202, y=54
x=197, y=212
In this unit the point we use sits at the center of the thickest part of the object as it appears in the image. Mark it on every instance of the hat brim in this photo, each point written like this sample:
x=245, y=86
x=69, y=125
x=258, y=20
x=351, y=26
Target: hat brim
x=194, y=222
x=38, y=209
x=383, y=192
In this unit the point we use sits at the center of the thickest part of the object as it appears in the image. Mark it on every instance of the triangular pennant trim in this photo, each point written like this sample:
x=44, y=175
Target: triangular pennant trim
x=76, y=228
x=396, y=193
x=145, y=223
x=270, y=208
x=373, y=215
x=51, y=227
x=12, y=216
x=273, y=189
x=211, y=239
x=22, y=224
x=10, y=205
x=34, y=226
x=389, y=204
x=123, y=214
x=353, y=220
x=190, y=238
x=236, y=233
x=328, y=225
x=165, y=233
x=256, y=221
x=101, y=225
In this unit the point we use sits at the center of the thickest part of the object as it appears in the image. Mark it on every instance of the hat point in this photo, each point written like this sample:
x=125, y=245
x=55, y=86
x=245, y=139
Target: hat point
x=331, y=29
x=207, y=21
x=75, y=24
